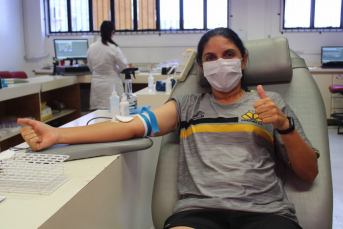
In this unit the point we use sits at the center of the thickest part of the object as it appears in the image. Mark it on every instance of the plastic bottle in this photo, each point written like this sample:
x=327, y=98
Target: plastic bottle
x=131, y=98
x=114, y=101
x=124, y=106
x=168, y=85
x=3, y=83
x=150, y=79
x=128, y=85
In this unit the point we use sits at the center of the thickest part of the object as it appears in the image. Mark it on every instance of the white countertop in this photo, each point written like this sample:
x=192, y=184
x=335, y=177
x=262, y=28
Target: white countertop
x=141, y=77
x=36, y=85
x=153, y=98
x=31, y=210
x=82, y=121
x=325, y=70
x=148, y=91
x=20, y=210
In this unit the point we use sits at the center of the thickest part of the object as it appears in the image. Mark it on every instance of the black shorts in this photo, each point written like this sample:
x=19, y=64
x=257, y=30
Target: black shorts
x=225, y=219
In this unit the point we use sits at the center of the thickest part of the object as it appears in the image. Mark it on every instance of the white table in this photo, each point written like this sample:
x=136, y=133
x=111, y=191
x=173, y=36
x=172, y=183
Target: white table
x=103, y=192
x=155, y=99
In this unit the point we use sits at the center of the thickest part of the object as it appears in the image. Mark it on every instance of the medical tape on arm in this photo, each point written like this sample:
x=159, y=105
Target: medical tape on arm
x=149, y=121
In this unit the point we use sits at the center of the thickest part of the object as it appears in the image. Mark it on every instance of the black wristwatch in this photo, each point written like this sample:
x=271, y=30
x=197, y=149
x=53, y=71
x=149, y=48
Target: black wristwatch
x=290, y=129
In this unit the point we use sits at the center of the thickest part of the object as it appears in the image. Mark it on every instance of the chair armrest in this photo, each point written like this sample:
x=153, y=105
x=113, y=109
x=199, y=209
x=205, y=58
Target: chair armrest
x=82, y=151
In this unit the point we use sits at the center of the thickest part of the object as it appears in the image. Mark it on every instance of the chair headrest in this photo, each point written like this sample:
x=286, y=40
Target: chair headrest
x=268, y=62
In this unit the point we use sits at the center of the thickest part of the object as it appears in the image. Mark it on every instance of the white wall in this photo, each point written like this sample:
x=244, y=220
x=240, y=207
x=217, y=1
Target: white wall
x=34, y=30
x=254, y=19
x=12, y=49
x=261, y=20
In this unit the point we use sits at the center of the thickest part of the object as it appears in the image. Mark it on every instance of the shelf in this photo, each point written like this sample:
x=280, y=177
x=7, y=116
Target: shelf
x=54, y=116
x=60, y=114
x=11, y=134
x=23, y=100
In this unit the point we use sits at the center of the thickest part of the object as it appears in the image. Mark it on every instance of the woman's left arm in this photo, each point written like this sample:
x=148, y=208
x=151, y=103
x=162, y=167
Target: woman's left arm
x=302, y=157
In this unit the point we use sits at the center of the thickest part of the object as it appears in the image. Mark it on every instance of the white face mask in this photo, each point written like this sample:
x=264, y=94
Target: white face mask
x=223, y=74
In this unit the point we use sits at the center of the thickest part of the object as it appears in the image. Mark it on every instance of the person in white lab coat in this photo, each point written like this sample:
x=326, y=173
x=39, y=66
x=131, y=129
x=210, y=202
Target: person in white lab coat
x=106, y=61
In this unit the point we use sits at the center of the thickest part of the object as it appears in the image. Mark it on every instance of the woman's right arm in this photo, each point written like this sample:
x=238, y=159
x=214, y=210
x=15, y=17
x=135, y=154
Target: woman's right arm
x=120, y=59
x=40, y=136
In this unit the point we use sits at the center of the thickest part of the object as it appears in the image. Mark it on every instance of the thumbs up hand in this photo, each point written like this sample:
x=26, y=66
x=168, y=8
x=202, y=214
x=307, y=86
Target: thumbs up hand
x=268, y=112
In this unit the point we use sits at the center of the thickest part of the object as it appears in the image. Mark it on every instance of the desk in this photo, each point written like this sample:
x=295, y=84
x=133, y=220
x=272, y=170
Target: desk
x=23, y=100
x=103, y=192
x=325, y=77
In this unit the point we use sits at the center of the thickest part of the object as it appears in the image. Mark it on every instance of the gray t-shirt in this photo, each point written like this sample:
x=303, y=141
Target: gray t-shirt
x=227, y=156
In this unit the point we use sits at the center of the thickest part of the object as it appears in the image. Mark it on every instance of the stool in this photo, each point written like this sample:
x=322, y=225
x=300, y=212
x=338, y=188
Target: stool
x=339, y=116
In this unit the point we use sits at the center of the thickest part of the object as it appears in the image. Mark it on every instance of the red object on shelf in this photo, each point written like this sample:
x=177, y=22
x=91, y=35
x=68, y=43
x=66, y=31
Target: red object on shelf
x=21, y=75
x=5, y=75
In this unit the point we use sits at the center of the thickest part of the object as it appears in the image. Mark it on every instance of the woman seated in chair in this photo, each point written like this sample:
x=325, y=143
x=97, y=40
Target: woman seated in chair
x=229, y=142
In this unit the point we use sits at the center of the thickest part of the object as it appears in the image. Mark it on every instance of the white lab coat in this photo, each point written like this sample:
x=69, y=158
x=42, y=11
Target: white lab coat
x=106, y=62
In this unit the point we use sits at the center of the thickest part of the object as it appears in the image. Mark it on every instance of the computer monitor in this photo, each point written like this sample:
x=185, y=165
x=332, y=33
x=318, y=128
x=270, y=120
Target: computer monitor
x=332, y=55
x=71, y=48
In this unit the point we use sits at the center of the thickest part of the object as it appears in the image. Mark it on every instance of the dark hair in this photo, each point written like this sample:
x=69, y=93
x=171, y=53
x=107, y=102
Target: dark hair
x=228, y=34
x=105, y=30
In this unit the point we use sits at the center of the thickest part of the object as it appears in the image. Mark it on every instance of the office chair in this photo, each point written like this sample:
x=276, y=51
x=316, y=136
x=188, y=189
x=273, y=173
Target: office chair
x=272, y=64
x=5, y=75
x=19, y=74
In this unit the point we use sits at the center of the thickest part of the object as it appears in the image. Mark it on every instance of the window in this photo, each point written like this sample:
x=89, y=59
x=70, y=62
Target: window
x=193, y=14
x=101, y=11
x=79, y=15
x=312, y=15
x=217, y=16
x=123, y=15
x=169, y=14
x=58, y=16
x=146, y=14
x=86, y=16
x=327, y=13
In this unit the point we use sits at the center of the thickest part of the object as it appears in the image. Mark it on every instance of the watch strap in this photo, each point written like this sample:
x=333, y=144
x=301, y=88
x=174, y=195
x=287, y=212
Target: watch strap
x=290, y=129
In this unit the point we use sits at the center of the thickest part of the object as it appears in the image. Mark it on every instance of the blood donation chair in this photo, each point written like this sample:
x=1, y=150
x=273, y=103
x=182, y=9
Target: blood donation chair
x=272, y=64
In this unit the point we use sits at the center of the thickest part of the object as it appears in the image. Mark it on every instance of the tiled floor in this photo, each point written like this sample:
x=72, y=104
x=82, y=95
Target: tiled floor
x=336, y=154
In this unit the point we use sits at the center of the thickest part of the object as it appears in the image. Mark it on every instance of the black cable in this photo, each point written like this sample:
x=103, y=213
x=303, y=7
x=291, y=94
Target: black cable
x=97, y=118
x=18, y=148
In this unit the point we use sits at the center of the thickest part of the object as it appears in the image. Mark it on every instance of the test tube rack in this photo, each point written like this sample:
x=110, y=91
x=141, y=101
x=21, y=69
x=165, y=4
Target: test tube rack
x=33, y=173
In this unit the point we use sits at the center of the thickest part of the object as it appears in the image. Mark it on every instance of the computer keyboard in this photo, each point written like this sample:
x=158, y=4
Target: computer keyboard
x=76, y=74
x=332, y=66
